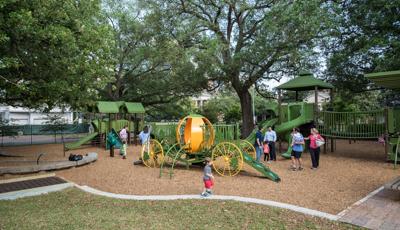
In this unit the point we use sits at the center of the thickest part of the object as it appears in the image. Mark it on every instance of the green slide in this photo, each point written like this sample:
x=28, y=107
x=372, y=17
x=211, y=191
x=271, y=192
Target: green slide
x=287, y=127
x=80, y=142
x=281, y=129
x=113, y=140
x=252, y=137
x=264, y=170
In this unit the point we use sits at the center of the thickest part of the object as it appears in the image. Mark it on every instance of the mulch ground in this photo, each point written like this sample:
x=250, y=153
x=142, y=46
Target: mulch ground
x=343, y=178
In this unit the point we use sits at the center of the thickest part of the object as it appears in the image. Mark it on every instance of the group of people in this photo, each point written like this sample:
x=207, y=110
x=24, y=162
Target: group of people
x=266, y=144
x=123, y=134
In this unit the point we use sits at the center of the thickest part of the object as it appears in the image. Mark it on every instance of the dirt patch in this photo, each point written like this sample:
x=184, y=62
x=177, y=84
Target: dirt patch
x=344, y=177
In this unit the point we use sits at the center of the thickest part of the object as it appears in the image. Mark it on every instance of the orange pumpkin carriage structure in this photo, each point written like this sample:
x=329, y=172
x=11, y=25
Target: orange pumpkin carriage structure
x=195, y=140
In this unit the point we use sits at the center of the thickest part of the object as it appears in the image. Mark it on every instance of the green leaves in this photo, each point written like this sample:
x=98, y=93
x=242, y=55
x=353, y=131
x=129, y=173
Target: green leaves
x=51, y=52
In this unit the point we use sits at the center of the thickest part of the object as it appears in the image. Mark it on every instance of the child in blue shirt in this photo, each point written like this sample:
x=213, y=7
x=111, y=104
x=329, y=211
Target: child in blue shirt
x=297, y=149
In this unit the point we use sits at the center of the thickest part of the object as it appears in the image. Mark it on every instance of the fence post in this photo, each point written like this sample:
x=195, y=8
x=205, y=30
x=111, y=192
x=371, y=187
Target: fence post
x=386, y=114
x=31, y=134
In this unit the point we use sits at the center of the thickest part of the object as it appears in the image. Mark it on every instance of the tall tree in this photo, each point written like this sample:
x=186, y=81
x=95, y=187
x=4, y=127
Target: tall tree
x=147, y=65
x=241, y=42
x=368, y=40
x=52, y=52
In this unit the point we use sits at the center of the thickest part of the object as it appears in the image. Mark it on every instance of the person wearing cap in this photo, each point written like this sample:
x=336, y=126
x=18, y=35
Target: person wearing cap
x=208, y=178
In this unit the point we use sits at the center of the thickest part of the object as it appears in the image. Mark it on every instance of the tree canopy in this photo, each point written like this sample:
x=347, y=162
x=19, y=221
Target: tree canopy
x=367, y=39
x=147, y=65
x=240, y=43
x=52, y=52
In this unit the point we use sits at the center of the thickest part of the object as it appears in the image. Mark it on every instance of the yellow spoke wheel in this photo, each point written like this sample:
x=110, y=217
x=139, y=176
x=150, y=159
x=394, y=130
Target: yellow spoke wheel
x=227, y=159
x=152, y=154
x=248, y=148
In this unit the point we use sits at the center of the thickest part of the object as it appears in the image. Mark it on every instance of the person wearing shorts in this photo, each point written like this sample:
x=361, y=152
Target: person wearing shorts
x=297, y=149
x=208, y=178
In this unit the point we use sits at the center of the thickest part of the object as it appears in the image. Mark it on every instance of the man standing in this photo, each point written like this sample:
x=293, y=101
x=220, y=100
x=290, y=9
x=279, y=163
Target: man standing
x=270, y=137
x=258, y=144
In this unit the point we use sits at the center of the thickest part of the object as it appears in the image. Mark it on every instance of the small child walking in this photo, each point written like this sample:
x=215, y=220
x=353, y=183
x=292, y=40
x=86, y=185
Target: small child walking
x=122, y=151
x=208, y=178
x=266, y=151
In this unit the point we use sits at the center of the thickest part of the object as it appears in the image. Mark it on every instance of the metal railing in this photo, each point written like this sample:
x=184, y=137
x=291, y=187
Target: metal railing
x=357, y=125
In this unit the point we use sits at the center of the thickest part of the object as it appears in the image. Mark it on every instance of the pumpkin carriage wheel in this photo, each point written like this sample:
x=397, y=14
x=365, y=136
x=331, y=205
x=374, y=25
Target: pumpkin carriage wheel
x=227, y=159
x=152, y=154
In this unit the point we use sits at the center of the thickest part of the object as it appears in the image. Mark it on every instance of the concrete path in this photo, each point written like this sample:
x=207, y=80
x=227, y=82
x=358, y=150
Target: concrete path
x=379, y=210
x=213, y=197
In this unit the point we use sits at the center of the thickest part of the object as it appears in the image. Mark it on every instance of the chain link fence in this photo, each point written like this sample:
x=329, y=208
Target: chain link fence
x=12, y=135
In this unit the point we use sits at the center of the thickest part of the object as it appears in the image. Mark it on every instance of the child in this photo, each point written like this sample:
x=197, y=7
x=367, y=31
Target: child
x=266, y=151
x=124, y=134
x=297, y=149
x=122, y=151
x=208, y=178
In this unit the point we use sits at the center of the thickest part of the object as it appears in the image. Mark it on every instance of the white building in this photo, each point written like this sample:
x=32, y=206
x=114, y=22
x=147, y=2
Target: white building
x=25, y=116
x=202, y=99
x=324, y=97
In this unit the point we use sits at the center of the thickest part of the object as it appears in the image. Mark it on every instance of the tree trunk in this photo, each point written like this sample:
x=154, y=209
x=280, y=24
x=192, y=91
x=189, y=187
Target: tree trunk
x=247, y=112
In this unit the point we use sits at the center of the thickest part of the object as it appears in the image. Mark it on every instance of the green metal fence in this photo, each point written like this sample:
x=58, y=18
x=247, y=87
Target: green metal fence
x=357, y=125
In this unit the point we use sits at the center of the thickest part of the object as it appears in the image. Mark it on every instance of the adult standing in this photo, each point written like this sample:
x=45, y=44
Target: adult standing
x=258, y=143
x=315, y=150
x=144, y=135
x=123, y=134
x=144, y=138
x=270, y=138
x=297, y=149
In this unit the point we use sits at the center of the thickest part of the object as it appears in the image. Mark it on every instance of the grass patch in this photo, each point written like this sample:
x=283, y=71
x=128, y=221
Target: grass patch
x=74, y=209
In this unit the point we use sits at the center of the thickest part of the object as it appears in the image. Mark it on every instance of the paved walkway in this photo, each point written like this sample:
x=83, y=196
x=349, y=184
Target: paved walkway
x=379, y=210
x=270, y=203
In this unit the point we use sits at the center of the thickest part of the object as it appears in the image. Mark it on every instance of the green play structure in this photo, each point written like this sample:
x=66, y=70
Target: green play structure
x=331, y=124
x=107, y=118
x=390, y=80
x=195, y=140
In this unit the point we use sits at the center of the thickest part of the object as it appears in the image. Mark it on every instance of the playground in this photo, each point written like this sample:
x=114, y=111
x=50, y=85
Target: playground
x=344, y=178
x=353, y=162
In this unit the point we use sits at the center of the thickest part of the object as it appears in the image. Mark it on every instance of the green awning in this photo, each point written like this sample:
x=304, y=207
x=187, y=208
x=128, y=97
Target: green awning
x=134, y=107
x=305, y=82
x=389, y=80
x=107, y=107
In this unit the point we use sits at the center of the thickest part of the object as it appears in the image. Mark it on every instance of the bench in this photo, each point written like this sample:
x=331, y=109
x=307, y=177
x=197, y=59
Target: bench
x=394, y=184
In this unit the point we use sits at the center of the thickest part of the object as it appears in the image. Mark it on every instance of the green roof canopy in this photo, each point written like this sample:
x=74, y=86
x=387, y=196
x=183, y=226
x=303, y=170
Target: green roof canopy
x=134, y=107
x=107, y=107
x=389, y=80
x=304, y=82
x=117, y=107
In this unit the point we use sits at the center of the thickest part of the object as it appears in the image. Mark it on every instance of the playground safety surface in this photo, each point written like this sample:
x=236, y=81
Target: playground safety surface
x=344, y=177
x=28, y=184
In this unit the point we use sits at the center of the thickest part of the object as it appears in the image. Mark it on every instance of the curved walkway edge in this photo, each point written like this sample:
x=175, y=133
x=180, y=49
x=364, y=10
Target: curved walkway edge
x=291, y=207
